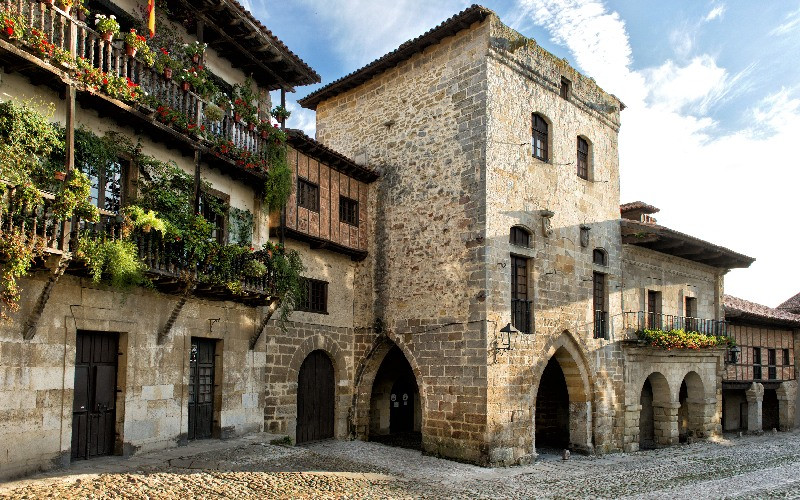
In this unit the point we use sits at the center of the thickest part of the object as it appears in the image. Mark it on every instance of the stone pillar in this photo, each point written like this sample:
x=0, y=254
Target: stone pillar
x=665, y=417
x=701, y=417
x=580, y=426
x=755, y=395
x=787, y=392
x=630, y=438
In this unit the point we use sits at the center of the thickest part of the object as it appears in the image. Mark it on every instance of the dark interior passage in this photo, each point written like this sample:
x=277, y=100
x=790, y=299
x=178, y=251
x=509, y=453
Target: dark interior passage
x=769, y=410
x=646, y=417
x=395, y=411
x=552, y=408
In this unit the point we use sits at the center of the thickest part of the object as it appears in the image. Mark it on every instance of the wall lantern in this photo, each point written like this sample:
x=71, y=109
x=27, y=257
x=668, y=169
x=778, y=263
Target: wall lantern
x=733, y=354
x=505, y=338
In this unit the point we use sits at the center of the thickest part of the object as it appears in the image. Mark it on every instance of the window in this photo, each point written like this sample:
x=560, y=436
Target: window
x=106, y=181
x=786, y=359
x=307, y=195
x=772, y=372
x=583, y=158
x=653, y=309
x=539, y=137
x=756, y=363
x=564, y=88
x=213, y=209
x=348, y=211
x=315, y=297
x=599, y=257
x=599, y=306
x=520, y=237
x=520, y=305
x=690, y=311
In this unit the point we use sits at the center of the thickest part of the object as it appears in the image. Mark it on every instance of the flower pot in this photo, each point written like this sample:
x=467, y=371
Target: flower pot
x=264, y=134
x=81, y=16
x=186, y=86
x=130, y=51
x=49, y=2
x=251, y=126
x=195, y=58
x=60, y=176
x=168, y=73
x=108, y=36
x=237, y=117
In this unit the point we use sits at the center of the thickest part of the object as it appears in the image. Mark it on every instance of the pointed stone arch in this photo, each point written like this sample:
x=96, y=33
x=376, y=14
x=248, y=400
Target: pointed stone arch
x=571, y=360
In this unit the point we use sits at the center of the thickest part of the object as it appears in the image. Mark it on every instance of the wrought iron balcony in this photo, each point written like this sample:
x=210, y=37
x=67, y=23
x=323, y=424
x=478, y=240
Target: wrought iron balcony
x=641, y=320
x=521, y=315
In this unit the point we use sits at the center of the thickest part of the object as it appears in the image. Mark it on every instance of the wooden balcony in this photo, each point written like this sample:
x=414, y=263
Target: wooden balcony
x=77, y=38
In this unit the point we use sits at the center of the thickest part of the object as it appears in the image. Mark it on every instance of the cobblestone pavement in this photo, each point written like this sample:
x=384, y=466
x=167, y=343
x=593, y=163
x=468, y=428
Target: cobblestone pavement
x=750, y=467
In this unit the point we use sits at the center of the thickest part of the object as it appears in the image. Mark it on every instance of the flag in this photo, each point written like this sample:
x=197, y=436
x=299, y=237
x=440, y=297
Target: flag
x=151, y=17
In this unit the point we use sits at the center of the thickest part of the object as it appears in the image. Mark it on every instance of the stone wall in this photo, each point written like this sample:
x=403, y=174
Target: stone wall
x=422, y=124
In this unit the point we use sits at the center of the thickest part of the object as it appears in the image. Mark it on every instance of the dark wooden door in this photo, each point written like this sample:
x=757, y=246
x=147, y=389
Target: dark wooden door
x=401, y=406
x=315, y=398
x=201, y=388
x=94, y=403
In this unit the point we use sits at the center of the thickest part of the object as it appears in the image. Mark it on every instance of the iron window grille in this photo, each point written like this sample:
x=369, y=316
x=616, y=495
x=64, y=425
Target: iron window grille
x=307, y=195
x=583, y=158
x=348, y=211
x=539, y=140
x=315, y=296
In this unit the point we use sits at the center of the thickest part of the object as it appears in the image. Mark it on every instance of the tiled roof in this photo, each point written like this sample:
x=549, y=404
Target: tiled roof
x=638, y=206
x=744, y=309
x=458, y=22
x=792, y=305
x=334, y=159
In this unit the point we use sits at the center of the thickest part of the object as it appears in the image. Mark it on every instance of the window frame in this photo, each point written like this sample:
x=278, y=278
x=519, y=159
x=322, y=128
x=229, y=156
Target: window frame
x=306, y=304
x=304, y=189
x=600, y=294
x=220, y=232
x=345, y=215
x=520, y=293
x=515, y=237
x=565, y=88
x=603, y=261
x=542, y=135
x=757, y=372
x=125, y=163
x=582, y=158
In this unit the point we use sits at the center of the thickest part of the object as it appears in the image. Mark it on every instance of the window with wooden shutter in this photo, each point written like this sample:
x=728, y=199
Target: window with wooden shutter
x=539, y=140
x=583, y=158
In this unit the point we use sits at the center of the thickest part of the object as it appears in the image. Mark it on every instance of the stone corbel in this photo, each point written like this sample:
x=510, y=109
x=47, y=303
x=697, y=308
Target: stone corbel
x=585, y=235
x=547, y=228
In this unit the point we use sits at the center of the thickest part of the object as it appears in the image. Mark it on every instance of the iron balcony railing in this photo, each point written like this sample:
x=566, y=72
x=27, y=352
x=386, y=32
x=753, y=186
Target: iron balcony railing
x=521, y=315
x=73, y=36
x=601, y=324
x=641, y=320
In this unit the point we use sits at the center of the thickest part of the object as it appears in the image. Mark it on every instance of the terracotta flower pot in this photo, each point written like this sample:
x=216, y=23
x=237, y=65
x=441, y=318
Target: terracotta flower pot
x=186, y=86
x=168, y=73
x=251, y=126
x=49, y=2
x=108, y=36
x=59, y=175
x=195, y=58
x=81, y=16
x=237, y=117
x=264, y=134
x=130, y=51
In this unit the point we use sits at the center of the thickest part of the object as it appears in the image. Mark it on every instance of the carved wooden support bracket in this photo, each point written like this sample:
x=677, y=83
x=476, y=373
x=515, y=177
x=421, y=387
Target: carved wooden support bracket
x=29, y=330
x=271, y=308
x=164, y=333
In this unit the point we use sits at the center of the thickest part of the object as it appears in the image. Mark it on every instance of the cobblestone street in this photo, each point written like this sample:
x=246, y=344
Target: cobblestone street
x=750, y=467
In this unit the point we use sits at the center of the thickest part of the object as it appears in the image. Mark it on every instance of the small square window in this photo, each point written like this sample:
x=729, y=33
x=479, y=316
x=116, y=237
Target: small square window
x=599, y=257
x=315, y=298
x=520, y=237
x=307, y=195
x=348, y=211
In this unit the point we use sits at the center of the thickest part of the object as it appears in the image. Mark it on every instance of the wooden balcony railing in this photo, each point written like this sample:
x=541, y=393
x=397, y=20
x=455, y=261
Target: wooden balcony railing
x=77, y=38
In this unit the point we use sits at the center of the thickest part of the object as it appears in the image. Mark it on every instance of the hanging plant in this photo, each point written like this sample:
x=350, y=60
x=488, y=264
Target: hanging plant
x=280, y=113
x=116, y=259
x=108, y=26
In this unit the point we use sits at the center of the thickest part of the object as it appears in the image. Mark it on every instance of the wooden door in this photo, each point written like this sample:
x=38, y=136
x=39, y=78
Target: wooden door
x=401, y=406
x=94, y=402
x=201, y=388
x=315, y=398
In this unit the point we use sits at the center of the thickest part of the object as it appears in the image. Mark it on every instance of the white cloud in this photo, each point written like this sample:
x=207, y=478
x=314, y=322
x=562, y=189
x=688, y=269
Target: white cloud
x=790, y=23
x=715, y=13
x=734, y=189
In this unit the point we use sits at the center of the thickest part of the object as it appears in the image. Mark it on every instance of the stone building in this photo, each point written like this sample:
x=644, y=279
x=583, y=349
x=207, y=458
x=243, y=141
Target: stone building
x=87, y=369
x=498, y=207
x=759, y=389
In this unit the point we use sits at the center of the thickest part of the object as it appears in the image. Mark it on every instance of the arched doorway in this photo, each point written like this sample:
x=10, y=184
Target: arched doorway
x=562, y=415
x=316, y=397
x=691, y=397
x=395, y=411
x=769, y=410
x=654, y=426
x=552, y=408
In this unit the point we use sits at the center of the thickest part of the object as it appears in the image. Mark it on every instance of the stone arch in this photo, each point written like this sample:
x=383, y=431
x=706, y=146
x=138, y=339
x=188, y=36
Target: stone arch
x=656, y=424
x=365, y=378
x=331, y=348
x=696, y=408
x=566, y=352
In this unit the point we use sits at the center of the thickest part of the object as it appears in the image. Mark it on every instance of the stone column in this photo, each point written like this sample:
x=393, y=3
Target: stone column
x=665, y=416
x=580, y=426
x=755, y=395
x=701, y=417
x=787, y=392
x=630, y=438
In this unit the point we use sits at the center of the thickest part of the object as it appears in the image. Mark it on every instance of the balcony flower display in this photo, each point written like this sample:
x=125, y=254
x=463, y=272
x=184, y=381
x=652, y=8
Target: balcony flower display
x=164, y=63
x=280, y=113
x=65, y=5
x=194, y=51
x=213, y=112
x=107, y=25
x=243, y=102
x=681, y=339
x=13, y=24
x=137, y=44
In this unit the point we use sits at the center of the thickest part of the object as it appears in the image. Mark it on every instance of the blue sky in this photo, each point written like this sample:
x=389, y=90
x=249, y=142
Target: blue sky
x=712, y=88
